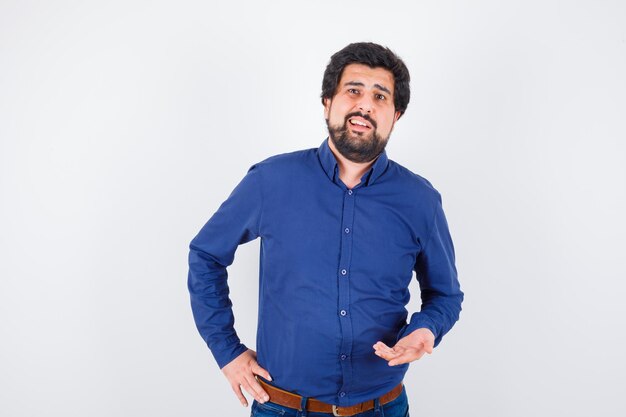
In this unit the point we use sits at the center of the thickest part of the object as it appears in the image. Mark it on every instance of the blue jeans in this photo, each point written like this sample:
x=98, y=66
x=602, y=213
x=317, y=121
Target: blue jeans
x=396, y=408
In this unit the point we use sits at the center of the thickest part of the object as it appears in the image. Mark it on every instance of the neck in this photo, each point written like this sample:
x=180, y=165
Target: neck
x=349, y=172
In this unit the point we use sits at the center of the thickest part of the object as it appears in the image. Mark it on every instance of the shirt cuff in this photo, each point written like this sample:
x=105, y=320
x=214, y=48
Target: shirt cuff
x=226, y=353
x=418, y=321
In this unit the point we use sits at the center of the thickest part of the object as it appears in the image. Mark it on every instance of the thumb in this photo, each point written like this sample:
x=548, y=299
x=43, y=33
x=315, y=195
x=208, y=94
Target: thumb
x=257, y=369
x=428, y=348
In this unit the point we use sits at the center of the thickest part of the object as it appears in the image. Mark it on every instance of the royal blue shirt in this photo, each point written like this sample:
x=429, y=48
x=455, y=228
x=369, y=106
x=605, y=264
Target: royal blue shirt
x=335, y=266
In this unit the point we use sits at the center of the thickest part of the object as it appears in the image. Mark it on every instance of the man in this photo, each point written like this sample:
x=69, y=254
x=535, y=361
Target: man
x=342, y=229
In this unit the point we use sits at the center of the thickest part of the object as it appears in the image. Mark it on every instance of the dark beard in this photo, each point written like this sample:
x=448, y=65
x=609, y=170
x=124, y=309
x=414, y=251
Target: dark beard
x=355, y=149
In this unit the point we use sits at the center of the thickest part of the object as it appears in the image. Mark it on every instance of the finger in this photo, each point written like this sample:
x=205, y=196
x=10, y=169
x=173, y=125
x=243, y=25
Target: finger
x=388, y=356
x=408, y=356
x=260, y=393
x=237, y=389
x=246, y=386
x=383, y=347
x=251, y=388
x=427, y=346
x=256, y=368
x=384, y=355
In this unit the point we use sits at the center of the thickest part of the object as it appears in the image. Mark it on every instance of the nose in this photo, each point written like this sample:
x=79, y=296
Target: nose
x=365, y=103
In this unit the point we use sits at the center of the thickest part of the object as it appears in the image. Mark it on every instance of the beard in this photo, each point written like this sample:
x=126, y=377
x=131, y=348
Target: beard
x=357, y=146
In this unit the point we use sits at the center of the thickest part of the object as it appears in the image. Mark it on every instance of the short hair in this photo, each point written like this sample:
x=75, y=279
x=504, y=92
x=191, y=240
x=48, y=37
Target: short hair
x=374, y=56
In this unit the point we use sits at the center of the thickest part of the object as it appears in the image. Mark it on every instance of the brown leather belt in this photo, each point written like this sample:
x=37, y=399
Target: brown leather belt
x=291, y=400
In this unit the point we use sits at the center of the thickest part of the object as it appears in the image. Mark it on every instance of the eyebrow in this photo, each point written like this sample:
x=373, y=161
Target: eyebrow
x=360, y=84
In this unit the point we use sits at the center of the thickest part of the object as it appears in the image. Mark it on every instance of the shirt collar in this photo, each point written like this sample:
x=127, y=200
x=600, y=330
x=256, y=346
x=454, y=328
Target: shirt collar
x=329, y=163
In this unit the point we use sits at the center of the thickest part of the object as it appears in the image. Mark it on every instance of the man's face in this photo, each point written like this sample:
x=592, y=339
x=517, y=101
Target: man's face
x=361, y=115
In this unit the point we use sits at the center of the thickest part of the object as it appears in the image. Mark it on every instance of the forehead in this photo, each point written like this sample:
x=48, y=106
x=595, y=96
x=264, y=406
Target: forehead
x=367, y=75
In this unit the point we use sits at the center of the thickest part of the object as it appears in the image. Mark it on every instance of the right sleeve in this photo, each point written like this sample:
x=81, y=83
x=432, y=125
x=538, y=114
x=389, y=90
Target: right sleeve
x=436, y=273
x=212, y=250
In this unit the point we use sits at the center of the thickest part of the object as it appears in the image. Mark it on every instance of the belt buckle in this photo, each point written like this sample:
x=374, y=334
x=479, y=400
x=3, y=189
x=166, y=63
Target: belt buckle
x=336, y=413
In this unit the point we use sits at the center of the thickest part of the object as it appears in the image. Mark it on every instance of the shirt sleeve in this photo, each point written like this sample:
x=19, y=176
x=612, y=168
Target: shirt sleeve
x=212, y=250
x=437, y=276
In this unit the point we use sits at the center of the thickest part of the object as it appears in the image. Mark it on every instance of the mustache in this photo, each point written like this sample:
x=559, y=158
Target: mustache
x=364, y=116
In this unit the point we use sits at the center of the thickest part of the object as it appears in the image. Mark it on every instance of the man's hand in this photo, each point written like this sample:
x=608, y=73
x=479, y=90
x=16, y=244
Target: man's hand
x=240, y=373
x=408, y=349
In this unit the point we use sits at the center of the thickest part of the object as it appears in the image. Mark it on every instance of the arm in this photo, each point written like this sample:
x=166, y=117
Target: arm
x=441, y=297
x=212, y=250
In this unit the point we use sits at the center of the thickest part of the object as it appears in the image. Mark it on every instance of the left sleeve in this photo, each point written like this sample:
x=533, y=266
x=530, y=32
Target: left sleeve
x=437, y=276
x=237, y=221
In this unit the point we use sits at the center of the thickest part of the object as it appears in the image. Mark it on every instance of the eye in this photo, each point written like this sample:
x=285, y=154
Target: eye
x=381, y=97
x=353, y=91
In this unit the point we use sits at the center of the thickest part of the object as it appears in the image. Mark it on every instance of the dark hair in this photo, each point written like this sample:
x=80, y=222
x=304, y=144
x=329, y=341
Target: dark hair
x=372, y=55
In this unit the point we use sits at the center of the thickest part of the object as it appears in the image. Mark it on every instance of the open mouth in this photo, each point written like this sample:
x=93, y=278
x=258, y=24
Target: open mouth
x=359, y=124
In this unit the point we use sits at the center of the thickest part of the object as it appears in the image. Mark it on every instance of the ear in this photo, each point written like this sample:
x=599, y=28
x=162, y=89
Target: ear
x=327, y=103
x=396, y=116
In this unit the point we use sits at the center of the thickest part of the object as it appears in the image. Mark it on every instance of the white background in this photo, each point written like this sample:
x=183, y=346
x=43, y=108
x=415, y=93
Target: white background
x=125, y=124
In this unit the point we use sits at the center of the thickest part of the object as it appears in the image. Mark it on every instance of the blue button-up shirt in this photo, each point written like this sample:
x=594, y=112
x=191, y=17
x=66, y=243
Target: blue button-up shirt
x=335, y=266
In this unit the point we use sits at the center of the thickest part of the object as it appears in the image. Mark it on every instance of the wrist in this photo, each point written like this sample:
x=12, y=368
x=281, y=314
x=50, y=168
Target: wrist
x=422, y=334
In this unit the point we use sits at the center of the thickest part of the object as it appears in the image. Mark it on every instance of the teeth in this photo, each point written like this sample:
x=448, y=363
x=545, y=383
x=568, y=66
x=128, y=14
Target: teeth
x=356, y=122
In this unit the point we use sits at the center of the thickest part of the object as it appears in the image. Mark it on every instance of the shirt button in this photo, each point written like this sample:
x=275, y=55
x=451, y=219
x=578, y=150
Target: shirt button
x=342, y=394
x=343, y=312
x=350, y=192
x=344, y=272
x=343, y=357
x=346, y=230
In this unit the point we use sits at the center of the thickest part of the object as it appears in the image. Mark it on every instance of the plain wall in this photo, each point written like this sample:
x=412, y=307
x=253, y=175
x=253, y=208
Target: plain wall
x=124, y=125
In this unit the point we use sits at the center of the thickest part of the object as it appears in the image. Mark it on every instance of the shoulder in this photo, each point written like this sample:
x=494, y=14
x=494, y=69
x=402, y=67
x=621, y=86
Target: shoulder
x=416, y=184
x=286, y=162
x=287, y=158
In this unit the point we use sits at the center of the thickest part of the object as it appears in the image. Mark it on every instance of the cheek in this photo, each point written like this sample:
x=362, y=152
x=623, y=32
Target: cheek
x=384, y=125
x=386, y=122
x=336, y=116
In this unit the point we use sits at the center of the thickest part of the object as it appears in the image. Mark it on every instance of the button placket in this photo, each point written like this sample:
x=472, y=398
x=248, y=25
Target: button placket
x=347, y=235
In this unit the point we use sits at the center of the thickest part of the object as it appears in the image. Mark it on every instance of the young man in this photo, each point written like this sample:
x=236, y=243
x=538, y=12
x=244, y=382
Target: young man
x=342, y=229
